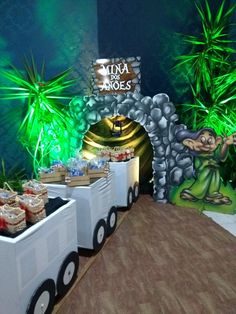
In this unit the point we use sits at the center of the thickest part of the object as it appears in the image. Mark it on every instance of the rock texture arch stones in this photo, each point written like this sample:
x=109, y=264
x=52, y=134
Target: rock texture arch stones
x=172, y=162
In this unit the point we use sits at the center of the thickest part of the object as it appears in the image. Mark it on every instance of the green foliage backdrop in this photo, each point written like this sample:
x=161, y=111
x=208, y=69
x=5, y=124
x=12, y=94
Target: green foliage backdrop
x=210, y=72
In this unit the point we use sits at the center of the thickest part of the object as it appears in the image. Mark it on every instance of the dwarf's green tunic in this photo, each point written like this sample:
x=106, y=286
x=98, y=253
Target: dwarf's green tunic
x=207, y=181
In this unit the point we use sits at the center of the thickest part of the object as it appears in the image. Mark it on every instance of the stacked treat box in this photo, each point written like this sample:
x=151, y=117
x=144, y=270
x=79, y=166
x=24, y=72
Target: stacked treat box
x=16, y=210
x=56, y=173
x=77, y=172
x=98, y=168
x=7, y=195
x=117, y=153
x=34, y=187
x=33, y=207
x=81, y=172
x=12, y=219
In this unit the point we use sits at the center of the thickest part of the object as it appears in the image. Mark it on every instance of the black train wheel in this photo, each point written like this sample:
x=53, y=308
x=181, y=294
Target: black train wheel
x=135, y=191
x=43, y=298
x=68, y=273
x=111, y=220
x=99, y=235
x=129, y=198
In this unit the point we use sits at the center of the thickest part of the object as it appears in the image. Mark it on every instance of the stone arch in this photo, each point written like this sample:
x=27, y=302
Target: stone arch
x=171, y=161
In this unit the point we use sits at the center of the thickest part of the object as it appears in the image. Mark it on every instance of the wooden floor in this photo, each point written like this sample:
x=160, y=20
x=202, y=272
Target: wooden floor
x=161, y=259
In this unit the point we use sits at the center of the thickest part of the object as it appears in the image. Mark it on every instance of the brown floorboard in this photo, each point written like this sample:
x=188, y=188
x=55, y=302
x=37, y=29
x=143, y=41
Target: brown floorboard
x=161, y=259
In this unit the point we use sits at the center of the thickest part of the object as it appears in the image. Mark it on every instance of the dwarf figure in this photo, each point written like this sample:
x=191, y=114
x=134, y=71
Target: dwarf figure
x=208, y=150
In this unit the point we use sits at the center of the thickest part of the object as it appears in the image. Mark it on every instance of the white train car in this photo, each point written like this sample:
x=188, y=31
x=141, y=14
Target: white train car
x=96, y=213
x=39, y=264
x=126, y=181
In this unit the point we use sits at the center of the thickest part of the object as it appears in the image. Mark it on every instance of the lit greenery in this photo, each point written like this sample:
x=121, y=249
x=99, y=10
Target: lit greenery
x=13, y=177
x=45, y=129
x=210, y=72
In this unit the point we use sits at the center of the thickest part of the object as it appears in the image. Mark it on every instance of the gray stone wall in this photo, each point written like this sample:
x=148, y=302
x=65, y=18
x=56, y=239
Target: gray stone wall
x=172, y=162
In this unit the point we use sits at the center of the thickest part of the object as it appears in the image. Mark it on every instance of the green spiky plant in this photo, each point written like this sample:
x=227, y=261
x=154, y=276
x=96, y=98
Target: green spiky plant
x=210, y=72
x=45, y=129
x=14, y=177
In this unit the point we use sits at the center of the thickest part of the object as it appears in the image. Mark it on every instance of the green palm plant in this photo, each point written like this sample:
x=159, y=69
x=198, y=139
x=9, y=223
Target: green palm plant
x=210, y=72
x=226, y=87
x=45, y=129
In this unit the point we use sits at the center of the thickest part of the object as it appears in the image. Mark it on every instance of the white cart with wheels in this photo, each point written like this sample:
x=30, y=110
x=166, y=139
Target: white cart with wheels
x=96, y=213
x=127, y=181
x=39, y=263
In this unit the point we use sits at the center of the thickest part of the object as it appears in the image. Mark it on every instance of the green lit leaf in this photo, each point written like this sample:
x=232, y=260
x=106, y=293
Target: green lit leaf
x=47, y=125
x=209, y=16
x=220, y=12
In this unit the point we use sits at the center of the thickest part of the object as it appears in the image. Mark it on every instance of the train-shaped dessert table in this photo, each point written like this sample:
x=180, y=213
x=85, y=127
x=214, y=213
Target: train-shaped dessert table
x=39, y=263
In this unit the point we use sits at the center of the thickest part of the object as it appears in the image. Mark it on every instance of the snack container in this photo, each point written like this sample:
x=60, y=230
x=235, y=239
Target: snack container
x=33, y=207
x=105, y=153
x=58, y=166
x=117, y=154
x=35, y=187
x=97, y=173
x=98, y=168
x=7, y=195
x=50, y=176
x=77, y=172
x=129, y=152
x=12, y=219
x=77, y=180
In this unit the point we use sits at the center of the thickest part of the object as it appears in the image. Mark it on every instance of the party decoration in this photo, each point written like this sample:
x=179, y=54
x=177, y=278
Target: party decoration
x=46, y=127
